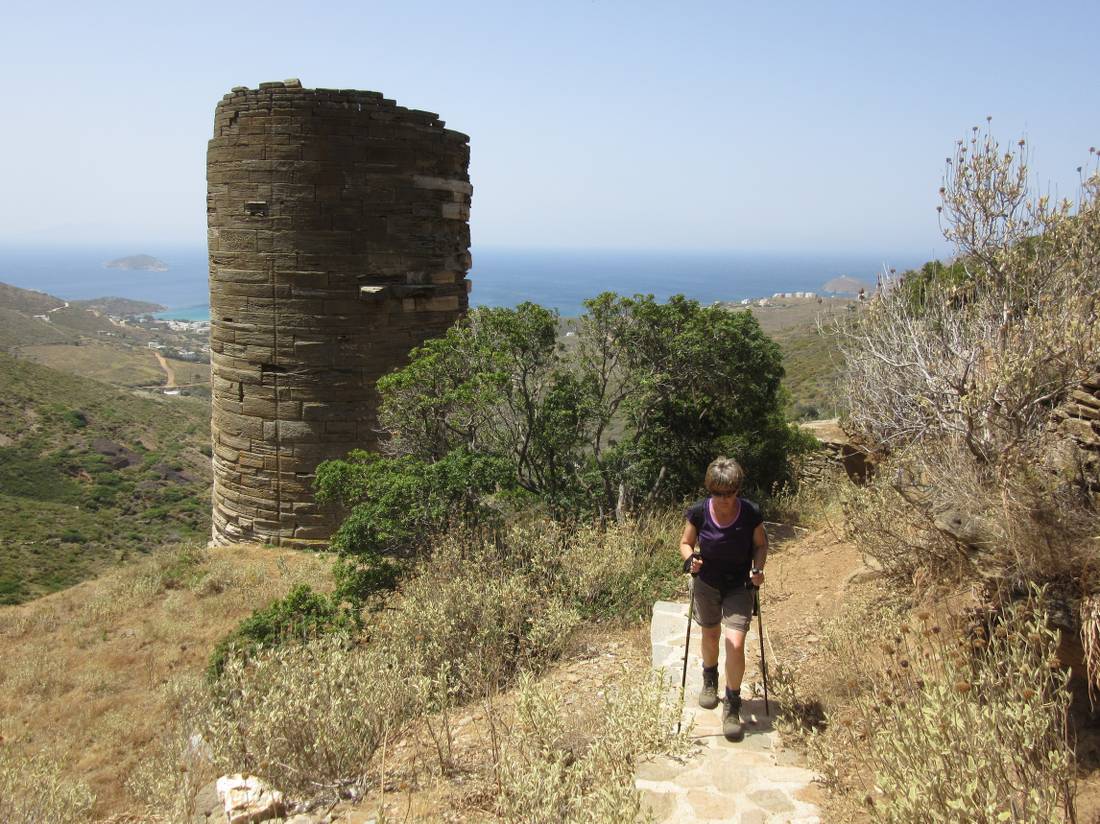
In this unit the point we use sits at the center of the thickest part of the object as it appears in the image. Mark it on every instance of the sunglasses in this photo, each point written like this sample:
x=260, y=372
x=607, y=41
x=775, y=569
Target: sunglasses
x=723, y=494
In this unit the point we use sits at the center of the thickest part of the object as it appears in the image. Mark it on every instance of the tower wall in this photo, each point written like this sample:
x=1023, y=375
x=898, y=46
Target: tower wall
x=338, y=241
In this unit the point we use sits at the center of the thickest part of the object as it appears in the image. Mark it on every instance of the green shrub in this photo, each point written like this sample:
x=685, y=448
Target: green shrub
x=302, y=615
x=397, y=504
x=27, y=472
x=13, y=590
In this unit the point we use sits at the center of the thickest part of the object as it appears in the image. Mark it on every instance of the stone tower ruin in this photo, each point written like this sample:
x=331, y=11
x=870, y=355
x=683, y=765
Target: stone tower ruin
x=338, y=241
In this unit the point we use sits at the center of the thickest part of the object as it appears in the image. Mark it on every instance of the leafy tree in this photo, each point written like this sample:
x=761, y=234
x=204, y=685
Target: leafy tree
x=627, y=414
x=631, y=413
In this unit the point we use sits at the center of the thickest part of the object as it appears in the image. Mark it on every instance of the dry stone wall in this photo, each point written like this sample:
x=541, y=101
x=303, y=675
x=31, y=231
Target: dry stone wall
x=1078, y=419
x=338, y=240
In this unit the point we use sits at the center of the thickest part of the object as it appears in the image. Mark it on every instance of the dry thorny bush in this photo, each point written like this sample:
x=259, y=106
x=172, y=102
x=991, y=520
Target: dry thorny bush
x=955, y=379
x=477, y=615
x=541, y=776
x=982, y=361
x=32, y=791
x=944, y=721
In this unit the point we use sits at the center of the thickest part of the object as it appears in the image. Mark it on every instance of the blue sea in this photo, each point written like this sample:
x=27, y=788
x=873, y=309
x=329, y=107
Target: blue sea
x=561, y=279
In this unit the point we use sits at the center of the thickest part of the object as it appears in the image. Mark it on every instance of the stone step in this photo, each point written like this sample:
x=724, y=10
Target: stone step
x=751, y=781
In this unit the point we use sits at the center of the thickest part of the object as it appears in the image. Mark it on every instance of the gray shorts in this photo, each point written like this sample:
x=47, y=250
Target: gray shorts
x=733, y=612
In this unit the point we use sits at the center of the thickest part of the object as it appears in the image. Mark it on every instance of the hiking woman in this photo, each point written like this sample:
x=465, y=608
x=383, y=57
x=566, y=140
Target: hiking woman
x=732, y=550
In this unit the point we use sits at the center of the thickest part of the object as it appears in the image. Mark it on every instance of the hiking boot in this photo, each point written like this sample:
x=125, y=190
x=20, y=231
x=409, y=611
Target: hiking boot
x=708, y=695
x=732, y=727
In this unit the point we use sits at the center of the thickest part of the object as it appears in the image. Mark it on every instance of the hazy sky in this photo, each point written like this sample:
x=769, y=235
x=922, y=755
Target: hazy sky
x=689, y=125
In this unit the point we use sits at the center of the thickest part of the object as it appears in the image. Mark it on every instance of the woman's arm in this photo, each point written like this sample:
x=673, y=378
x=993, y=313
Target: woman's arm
x=759, y=554
x=687, y=545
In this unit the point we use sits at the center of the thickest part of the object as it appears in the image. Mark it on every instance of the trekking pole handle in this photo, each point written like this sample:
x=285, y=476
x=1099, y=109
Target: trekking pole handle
x=689, y=560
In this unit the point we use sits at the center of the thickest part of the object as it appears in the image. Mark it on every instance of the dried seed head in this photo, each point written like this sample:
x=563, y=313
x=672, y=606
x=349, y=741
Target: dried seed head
x=962, y=686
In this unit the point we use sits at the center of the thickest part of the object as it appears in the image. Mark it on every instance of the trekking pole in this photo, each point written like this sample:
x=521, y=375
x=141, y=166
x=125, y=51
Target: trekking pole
x=763, y=660
x=687, y=644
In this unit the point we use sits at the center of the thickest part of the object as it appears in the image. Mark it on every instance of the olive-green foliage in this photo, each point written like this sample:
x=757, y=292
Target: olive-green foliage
x=67, y=511
x=303, y=614
x=397, y=505
x=630, y=414
x=953, y=727
x=935, y=279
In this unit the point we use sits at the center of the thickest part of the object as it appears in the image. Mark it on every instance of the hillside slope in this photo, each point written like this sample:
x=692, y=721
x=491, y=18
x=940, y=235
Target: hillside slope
x=91, y=474
x=88, y=673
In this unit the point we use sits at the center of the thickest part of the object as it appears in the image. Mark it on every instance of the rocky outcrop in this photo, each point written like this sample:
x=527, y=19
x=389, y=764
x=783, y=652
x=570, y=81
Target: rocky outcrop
x=247, y=799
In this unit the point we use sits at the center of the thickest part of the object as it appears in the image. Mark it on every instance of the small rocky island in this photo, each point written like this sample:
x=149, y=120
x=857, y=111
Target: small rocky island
x=141, y=263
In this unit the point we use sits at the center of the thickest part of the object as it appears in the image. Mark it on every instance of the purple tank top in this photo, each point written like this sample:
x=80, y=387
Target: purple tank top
x=726, y=550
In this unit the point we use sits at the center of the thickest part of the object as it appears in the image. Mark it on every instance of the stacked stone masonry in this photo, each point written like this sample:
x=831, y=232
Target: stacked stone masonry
x=338, y=241
x=1078, y=418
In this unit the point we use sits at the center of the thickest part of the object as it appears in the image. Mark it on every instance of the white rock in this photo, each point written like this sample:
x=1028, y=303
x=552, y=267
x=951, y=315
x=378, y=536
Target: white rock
x=247, y=799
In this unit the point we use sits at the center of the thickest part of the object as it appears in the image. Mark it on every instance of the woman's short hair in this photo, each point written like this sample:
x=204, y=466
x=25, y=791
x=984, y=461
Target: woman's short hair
x=724, y=475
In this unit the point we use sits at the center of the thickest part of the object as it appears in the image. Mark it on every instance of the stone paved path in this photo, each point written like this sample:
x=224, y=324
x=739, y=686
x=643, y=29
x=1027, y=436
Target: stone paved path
x=750, y=782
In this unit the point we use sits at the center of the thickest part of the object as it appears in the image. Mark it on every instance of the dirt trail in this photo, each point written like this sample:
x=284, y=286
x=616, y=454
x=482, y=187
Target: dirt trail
x=171, y=382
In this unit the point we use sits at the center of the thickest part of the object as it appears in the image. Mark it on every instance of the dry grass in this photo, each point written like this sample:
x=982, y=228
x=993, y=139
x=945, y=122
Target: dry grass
x=110, y=364
x=33, y=791
x=542, y=774
x=932, y=715
x=189, y=373
x=89, y=672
